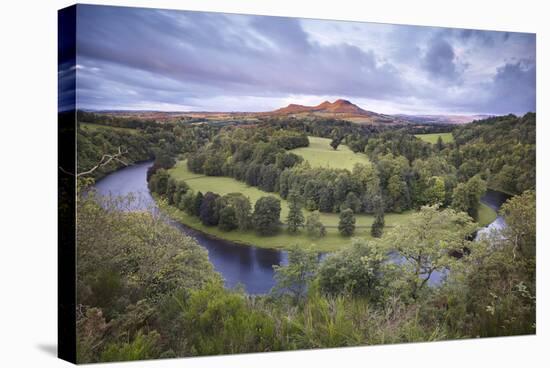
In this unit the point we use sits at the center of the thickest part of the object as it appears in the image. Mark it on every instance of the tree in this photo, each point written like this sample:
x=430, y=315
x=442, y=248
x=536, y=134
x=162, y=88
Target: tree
x=171, y=190
x=377, y=227
x=439, y=145
x=335, y=142
x=213, y=165
x=179, y=192
x=314, y=226
x=435, y=193
x=266, y=217
x=159, y=182
x=295, y=218
x=496, y=284
x=352, y=202
x=209, y=212
x=326, y=202
x=269, y=177
x=356, y=271
x=466, y=196
x=346, y=226
x=519, y=212
x=197, y=203
x=241, y=204
x=187, y=202
x=294, y=278
x=425, y=243
x=287, y=159
x=398, y=194
x=228, y=219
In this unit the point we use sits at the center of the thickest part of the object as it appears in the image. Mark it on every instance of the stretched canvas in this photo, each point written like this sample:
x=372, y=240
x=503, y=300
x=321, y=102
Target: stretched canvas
x=241, y=183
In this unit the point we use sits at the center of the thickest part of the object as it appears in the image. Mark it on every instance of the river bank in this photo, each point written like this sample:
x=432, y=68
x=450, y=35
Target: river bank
x=248, y=265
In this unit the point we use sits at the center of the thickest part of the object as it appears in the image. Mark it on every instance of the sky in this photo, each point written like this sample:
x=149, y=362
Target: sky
x=167, y=60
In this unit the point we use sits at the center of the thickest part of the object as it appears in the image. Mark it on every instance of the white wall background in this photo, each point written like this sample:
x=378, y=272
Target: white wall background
x=28, y=235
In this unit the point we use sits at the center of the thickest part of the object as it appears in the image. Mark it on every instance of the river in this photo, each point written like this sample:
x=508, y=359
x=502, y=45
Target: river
x=249, y=266
x=252, y=267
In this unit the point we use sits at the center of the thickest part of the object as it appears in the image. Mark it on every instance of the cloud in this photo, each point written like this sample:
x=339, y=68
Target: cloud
x=158, y=59
x=513, y=88
x=441, y=62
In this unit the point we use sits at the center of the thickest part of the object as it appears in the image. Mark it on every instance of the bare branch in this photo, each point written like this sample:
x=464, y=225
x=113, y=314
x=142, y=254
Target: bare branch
x=105, y=159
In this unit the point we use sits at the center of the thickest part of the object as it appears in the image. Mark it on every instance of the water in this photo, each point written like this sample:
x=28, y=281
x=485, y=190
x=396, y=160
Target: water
x=495, y=200
x=251, y=267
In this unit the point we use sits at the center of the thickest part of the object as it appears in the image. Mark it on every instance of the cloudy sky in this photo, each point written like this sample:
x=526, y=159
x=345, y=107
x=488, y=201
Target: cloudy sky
x=145, y=59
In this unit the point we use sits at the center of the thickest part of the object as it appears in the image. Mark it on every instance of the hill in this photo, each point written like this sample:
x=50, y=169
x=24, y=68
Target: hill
x=341, y=109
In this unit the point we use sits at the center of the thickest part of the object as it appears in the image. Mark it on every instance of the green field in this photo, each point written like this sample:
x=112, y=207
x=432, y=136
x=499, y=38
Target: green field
x=432, y=138
x=320, y=154
x=333, y=241
x=486, y=214
x=96, y=127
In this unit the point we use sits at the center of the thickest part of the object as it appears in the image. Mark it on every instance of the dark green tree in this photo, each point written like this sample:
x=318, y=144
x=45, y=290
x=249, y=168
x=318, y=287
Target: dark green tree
x=335, y=142
x=377, y=227
x=295, y=218
x=228, y=219
x=439, y=145
x=346, y=226
x=266, y=217
x=209, y=213
x=197, y=202
x=466, y=196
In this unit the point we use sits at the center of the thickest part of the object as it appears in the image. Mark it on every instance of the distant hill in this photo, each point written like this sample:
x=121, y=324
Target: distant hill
x=337, y=107
x=341, y=109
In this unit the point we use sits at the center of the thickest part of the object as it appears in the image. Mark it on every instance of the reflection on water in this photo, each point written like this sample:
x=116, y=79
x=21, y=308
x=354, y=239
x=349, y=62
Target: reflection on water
x=252, y=267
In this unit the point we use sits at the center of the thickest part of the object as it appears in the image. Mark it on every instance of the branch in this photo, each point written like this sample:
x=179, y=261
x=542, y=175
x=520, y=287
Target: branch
x=105, y=159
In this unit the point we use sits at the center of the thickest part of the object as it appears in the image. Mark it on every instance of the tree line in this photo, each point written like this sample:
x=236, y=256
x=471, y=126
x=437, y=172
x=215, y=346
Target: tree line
x=234, y=210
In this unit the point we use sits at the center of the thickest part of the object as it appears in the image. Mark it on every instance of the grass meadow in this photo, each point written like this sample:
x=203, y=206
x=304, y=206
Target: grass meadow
x=432, y=138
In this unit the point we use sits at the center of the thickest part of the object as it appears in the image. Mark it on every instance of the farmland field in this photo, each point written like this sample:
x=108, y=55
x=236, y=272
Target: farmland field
x=432, y=138
x=320, y=154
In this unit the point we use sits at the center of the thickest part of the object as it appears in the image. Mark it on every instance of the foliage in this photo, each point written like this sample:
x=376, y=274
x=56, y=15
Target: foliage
x=127, y=263
x=356, y=271
x=314, y=226
x=520, y=215
x=267, y=212
x=377, y=228
x=209, y=212
x=346, y=226
x=426, y=245
x=466, y=196
x=295, y=218
x=294, y=277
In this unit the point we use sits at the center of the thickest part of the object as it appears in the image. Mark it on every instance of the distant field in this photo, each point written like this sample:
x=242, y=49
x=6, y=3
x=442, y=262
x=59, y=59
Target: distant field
x=95, y=127
x=320, y=154
x=432, y=138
